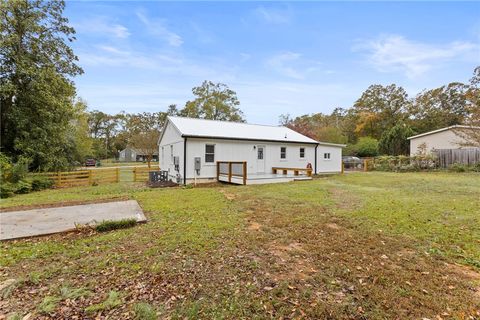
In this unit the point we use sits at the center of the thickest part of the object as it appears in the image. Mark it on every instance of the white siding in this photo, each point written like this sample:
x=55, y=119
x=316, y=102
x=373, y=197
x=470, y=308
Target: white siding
x=171, y=139
x=239, y=150
x=447, y=139
x=333, y=163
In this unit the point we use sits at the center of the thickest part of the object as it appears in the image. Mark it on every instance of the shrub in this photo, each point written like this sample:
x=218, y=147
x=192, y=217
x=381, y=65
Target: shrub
x=22, y=187
x=7, y=189
x=20, y=169
x=113, y=300
x=458, y=167
x=109, y=225
x=366, y=147
x=41, y=183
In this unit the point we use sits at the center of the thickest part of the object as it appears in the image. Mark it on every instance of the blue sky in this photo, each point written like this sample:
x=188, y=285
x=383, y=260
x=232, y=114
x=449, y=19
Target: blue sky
x=285, y=57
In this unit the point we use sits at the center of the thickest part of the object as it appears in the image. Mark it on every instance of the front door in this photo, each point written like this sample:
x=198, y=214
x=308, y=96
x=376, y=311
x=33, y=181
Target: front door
x=261, y=159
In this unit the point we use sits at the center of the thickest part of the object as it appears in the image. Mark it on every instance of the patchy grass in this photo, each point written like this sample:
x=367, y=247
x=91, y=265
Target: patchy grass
x=109, y=225
x=144, y=311
x=363, y=246
x=113, y=300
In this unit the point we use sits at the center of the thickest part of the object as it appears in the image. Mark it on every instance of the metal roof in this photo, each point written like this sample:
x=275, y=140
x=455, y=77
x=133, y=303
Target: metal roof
x=202, y=128
x=442, y=129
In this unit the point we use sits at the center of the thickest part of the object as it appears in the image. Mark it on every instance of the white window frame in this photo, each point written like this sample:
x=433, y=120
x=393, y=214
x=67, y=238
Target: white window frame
x=327, y=156
x=300, y=153
x=283, y=153
x=205, y=155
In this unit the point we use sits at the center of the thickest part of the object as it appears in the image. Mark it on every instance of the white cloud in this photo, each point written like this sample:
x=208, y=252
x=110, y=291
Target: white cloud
x=157, y=27
x=396, y=53
x=271, y=15
x=102, y=25
x=291, y=65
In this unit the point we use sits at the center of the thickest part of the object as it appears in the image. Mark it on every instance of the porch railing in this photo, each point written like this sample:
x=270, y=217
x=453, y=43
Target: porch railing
x=232, y=169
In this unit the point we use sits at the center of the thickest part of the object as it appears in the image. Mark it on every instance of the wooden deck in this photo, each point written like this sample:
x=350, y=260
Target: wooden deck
x=263, y=178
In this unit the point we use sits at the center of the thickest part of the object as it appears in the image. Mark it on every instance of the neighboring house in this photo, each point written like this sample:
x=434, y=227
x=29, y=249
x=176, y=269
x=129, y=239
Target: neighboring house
x=444, y=138
x=184, y=141
x=130, y=154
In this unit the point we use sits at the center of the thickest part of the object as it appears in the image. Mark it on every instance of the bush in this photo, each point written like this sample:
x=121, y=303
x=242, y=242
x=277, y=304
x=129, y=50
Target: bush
x=41, y=183
x=366, y=147
x=7, y=189
x=23, y=187
x=109, y=225
x=458, y=167
x=144, y=311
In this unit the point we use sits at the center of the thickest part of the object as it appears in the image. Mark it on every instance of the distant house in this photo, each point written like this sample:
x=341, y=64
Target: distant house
x=205, y=150
x=444, y=138
x=130, y=154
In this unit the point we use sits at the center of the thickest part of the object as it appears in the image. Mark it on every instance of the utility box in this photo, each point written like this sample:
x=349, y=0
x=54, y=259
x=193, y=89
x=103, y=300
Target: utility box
x=198, y=164
x=176, y=163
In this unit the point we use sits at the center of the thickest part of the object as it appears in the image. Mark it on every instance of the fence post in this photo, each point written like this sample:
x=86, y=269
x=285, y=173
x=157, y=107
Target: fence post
x=117, y=173
x=229, y=172
x=218, y=170
x=59, y=183
x=89, y=177
x=245, y=172
x=343, y=167
x=365, y=165
x=134, y=174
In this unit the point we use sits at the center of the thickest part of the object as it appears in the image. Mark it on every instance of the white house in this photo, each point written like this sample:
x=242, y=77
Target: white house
x=191, y=149
x=444, y=138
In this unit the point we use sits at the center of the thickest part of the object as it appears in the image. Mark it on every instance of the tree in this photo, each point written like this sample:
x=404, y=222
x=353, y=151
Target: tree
x=471, y=135
x=394, y=141
x=79, y=134
x=36, y=90
x=146, y=142
x=365, y=147
x=380, y=108
x=440, y=107
x=213, y=101
x=107, y=132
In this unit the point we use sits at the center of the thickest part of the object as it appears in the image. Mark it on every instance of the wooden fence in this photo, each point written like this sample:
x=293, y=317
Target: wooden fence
x=140, y=174
x=99, y=176
x=228, y=169
x=447, y=157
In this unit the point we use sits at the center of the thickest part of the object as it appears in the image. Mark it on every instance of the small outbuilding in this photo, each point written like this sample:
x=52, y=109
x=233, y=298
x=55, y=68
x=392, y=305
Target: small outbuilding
x=130, y=154
x=199, y=150
x=442, y=139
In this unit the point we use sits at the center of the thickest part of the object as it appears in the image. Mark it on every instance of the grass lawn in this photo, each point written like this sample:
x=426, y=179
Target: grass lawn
x=354, y=246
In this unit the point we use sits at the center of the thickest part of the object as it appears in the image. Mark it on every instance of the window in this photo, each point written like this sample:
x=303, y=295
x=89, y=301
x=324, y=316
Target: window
x=283, y=152
x=260, y=153
x=209, y=153
x=302, y=153
x=326, y=156
x=171, y=153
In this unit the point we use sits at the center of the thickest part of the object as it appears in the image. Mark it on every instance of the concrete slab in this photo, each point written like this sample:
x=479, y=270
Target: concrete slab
x=28, y=223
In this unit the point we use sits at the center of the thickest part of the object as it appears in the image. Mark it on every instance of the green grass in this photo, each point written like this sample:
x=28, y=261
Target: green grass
x=109, y=225
x=113, y=300
x=327, y=248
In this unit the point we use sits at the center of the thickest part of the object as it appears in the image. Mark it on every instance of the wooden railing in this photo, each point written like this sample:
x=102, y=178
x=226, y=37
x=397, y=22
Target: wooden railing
x=296, y=171
x=232, y=169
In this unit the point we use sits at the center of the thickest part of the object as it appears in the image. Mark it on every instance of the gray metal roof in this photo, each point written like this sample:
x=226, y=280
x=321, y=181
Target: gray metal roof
x=192, y=127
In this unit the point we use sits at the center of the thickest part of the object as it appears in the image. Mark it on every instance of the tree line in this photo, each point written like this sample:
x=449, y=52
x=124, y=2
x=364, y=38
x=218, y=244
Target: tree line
x=380, y=121
x=46, y=125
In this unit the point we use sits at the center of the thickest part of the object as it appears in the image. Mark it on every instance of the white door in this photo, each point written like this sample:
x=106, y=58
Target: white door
x=260, y=159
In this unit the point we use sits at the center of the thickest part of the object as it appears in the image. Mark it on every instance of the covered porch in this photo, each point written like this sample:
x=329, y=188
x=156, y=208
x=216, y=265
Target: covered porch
x=236, y=172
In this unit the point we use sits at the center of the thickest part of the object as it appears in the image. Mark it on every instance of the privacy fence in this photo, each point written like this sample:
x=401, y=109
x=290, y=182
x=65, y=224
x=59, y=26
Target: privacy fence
x=459, y=159
x=100, y=176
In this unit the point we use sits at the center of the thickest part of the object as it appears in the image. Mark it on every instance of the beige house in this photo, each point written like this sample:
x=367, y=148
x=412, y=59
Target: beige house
x=445, y=138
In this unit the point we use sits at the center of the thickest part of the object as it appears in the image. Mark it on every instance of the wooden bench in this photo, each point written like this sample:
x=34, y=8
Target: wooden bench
x=296, y=171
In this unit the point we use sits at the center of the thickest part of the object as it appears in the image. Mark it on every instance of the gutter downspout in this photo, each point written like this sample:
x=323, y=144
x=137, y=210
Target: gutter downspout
x=185, y=160
x=316, y=146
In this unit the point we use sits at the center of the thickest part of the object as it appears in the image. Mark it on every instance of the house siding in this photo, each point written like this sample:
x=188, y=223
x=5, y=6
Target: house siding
x=447, y=139
x=171, y=138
